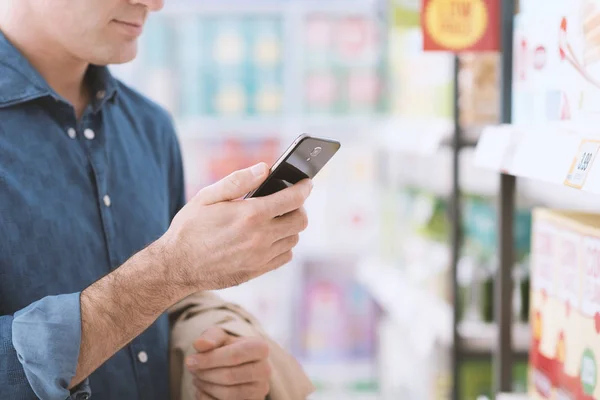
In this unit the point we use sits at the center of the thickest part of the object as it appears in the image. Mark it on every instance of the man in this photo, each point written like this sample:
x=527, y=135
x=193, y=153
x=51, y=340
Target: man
x=95, y=240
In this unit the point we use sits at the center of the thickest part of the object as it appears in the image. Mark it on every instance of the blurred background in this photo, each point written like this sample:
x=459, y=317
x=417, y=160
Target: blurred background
x=393, y=268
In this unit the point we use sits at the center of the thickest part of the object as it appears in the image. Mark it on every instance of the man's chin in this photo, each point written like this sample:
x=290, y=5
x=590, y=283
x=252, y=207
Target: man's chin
x=121, y=55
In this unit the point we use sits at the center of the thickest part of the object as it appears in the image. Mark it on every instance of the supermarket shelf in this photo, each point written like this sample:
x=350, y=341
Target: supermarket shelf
x=544, y=153
x=434, y=172
x=512, y=396
x=337, y=379
x=419, y=137
x=429, y=316
x=252, y=127
x=477, y=337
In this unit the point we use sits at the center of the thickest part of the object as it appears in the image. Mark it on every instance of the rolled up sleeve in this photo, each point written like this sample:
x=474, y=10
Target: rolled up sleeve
x=46, y=336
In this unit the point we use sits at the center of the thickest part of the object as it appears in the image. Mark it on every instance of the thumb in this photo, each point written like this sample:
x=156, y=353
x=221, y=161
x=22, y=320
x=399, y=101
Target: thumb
x=235, y=185
x=211, y=339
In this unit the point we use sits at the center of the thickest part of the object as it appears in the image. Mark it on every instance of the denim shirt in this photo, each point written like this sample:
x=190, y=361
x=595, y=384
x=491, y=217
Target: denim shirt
x=77, y=199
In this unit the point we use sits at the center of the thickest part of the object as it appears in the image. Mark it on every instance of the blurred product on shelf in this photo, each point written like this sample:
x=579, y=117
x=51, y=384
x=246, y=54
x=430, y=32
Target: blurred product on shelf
x=219, y=65
x=565, y=310
x=335, y=326
x=477, y=382
x=420, y=83
x=343, y=64
x=479, y=94
x=241, y=65
x=478, y=263
x=211, y=159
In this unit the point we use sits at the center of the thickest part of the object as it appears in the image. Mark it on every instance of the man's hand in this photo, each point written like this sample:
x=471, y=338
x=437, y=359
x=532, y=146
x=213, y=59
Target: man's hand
x=228, y=367
x=217, y=241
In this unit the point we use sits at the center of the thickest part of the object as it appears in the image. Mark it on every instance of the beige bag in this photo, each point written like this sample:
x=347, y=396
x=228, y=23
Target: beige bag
x=200, y=311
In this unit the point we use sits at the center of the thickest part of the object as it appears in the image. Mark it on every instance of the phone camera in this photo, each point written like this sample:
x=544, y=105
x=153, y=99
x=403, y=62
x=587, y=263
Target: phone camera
x=316, y=151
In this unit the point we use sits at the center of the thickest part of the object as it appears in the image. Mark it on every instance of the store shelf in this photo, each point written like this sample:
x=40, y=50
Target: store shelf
x=545, y=153
x=433, y=172
x=429, y=316
x=478, y=337
x=419, y=137
x=251, y=127
x=512, y=396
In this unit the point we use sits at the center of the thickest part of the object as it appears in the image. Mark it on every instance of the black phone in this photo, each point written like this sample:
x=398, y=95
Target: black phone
x=305, y=157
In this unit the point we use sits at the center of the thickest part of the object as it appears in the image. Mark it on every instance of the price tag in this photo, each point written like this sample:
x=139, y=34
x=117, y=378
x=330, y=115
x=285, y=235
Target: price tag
x=582, y=164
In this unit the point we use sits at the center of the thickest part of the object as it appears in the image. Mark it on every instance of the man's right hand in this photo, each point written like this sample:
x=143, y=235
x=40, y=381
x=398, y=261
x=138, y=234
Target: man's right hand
x=218, y=241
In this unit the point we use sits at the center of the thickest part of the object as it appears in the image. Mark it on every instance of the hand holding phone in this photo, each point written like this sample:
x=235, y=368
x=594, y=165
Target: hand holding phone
x=305, y=157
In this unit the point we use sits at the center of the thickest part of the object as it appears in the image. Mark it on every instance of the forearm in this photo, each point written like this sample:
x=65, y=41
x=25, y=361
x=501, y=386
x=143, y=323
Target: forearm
x=120, y=306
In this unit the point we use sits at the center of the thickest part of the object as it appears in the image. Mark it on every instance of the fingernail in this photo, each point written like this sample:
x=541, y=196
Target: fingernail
x=258, y=169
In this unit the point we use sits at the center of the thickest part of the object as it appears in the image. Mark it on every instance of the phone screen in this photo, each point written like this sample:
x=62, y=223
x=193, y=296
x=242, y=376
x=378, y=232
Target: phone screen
x=305, y=160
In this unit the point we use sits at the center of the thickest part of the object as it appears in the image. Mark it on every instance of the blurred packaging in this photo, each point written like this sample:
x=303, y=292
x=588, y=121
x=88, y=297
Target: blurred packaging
x=335, y=326
x=565, y=299
x=478, y=264
x=209, y=160
x=343, y=64
x=477, y=382
x=479, y=88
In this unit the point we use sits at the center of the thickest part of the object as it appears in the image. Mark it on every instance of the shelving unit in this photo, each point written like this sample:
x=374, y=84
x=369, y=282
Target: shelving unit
x=502, y=150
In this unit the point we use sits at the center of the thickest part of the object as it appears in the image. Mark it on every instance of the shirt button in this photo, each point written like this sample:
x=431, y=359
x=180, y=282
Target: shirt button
x=89, y=134
x=72, y=133
x=83, y=396
x=143, y=357
x=100, y=94
x=106, y=200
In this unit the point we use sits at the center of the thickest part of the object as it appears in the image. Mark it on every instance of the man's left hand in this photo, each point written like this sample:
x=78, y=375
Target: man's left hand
x=228, y=367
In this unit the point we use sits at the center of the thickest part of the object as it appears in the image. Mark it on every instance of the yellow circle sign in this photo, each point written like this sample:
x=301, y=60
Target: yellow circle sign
x=456, y=24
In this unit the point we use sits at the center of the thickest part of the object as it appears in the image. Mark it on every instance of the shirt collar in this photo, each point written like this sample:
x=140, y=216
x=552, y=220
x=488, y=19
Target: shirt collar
x=21, y=82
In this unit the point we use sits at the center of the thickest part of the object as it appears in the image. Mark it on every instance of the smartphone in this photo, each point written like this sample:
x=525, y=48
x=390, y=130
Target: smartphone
x=303, y=159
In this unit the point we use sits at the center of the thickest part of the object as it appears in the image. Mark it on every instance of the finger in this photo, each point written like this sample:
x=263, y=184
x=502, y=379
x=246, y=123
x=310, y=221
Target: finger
x=284, y=245
x=288, y=199
x=200, y=395
x=290, y=224
x=228, y=376
x=254, y=390
x=278, y=261
x=240, y=352
x=211, y=339
x=234, y=186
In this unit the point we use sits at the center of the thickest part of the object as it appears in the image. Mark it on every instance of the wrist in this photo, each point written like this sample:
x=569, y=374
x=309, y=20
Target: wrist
x=175, y=268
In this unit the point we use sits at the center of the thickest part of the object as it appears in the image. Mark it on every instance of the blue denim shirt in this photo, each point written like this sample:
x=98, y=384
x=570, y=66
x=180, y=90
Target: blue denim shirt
x=77, y=199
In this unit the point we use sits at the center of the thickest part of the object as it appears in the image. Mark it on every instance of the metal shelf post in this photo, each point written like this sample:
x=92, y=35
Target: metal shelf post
x=503, y=360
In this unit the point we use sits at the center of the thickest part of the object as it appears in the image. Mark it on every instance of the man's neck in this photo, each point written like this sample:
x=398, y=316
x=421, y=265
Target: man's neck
x=63, y=72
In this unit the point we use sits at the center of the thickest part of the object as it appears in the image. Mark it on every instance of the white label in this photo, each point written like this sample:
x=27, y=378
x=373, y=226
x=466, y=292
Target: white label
x=582, y=164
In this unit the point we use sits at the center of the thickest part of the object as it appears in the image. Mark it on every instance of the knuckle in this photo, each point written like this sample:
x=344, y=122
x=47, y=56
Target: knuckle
x=250, y=215
x=299, y=198
x=255, y=241
x=235, y=179
x=303, y=220
x=231, y=376
x=266, y=370
x=294, y=240
x=287, y=257
x=265, y=351
x=264, y=388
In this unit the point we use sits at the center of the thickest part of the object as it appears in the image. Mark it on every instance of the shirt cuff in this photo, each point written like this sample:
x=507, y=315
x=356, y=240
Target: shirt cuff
x=46, y=336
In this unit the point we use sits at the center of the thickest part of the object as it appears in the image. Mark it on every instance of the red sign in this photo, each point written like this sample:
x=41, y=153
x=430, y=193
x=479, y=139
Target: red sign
x=461, y=25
